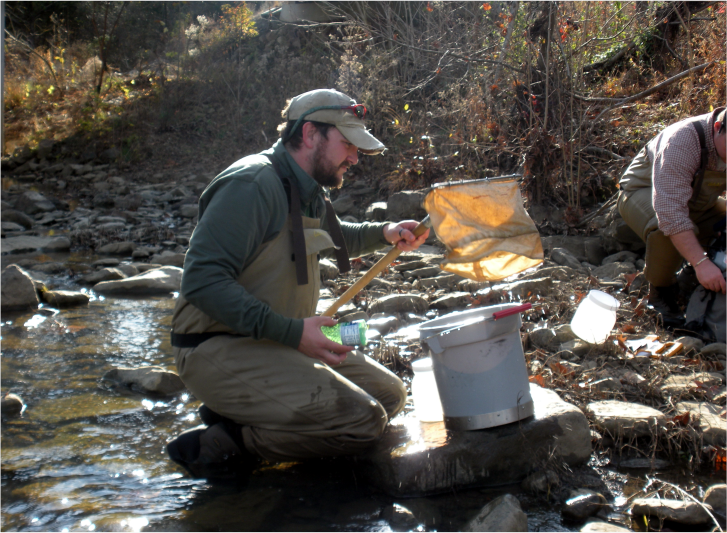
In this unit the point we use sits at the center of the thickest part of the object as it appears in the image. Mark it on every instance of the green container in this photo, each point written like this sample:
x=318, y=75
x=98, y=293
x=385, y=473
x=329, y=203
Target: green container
x=347, y=333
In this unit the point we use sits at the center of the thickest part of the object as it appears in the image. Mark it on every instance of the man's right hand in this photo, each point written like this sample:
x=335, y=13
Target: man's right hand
x=316, y=345
x=710, y=276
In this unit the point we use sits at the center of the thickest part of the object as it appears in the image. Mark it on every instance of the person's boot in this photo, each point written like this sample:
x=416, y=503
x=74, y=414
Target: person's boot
x=212, y=453
x=209, y=417
x=665, y=301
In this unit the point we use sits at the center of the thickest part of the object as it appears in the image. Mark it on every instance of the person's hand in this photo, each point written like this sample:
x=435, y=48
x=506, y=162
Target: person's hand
x=710, y=276
x=401, y=235
x=316, y=345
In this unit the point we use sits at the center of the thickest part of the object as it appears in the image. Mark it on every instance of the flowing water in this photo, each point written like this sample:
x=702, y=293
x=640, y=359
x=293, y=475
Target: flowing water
x=86, y=456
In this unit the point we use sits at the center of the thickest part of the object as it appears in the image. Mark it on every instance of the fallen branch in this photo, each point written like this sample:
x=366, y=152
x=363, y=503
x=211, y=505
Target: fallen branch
x=650, y=91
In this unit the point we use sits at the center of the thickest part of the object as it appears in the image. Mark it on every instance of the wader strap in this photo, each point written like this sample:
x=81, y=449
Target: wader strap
x=344, y=265
x=192, y=340
x=296, y=217
x=699, y=176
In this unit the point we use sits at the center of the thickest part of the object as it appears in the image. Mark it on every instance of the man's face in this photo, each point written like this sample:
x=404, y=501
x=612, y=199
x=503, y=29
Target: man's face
x=332, y=158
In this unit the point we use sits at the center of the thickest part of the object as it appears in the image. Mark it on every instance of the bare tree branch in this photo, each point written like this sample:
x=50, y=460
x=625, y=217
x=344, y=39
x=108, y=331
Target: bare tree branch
x=30, y=50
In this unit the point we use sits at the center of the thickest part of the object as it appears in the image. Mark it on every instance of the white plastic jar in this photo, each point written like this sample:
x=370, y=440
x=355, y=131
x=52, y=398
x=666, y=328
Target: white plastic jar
x=595, y=317
x=424, y=392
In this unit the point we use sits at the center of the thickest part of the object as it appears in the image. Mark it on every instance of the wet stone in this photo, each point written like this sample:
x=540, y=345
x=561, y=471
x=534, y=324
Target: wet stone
x=410, y=265
x=716, y=496
x=400, y=303
x=595, y=526
x=501, y=514
x=415, y=458
x=31, y=243
x=626, y=419
x=583, y=503
x=426, y=272
x=542, y=481
x=523, y=289
x=11, y=405
x=682, y=512
x=169, y=259
x=117, y=248
x=105, y=274
x=158, y=281
x=18, y=289
x=65, y=298
x=149, y=379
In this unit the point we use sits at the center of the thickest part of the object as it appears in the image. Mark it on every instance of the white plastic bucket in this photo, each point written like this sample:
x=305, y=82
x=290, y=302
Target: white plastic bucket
x=595, y=317
x=479, y=367
x=424, y=392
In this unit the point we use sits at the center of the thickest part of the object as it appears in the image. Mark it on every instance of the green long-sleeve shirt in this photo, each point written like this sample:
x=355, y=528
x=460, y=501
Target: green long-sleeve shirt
x=242, y=208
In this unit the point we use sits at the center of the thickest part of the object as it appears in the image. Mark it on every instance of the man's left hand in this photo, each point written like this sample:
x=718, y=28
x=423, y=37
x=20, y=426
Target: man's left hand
x=401, y=235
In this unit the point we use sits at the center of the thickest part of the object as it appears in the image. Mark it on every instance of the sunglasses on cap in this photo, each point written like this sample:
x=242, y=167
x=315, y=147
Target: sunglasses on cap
x=357, y=109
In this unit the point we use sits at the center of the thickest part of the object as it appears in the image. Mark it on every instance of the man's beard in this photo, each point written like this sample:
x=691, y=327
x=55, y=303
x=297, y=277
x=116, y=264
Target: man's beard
x=325, y=172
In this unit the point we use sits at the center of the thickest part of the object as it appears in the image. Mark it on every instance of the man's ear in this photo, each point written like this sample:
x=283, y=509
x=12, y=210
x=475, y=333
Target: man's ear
x=309, y=135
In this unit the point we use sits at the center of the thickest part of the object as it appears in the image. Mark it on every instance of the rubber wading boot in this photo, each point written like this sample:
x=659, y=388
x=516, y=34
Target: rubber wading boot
x=664, y=300
x=211, y=418
x=211, y=453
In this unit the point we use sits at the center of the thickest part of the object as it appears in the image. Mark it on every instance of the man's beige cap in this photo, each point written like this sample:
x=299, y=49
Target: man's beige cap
x=350, y=126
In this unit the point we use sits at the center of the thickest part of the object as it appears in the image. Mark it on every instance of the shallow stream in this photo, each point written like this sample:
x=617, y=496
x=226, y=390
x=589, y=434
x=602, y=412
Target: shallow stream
x=86, y=457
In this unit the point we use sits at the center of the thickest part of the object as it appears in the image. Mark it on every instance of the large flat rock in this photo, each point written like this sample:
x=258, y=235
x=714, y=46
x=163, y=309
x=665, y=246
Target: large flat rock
x=415, y=458
x=31, y=243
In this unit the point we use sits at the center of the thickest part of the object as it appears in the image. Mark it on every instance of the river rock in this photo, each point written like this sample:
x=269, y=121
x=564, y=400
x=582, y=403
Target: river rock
x=18, y=217
x=31, y=243
x=582, y=503
x=690, y=344
x=405, y=205
x=148, y=379
x=680, y=511
x=117, y=248
x=560, y=273
x=577, y=347
x=400, y=303
x=713, y=426
x=329, y=270
x=426, y=272
x=626, y=419
x=609, y=384
x=541, y=481
x=716, y=496
x=376, y=212
x=612, y=271
x=64, y=298
x=565, y=258
x=598, y=526
x=158, y=281
x=417, y=459
x=542, y=338
x=31, y=202
x=501, y=514
x=452, y=300
x=683, y=387
x=11, y=405
x=520, y=290
x=105, y=274
x=716, y=348
x=384, y=323
x=11, y=227
x=17, y=289
x=410, y=265
x=168, y=258
x=621, y=257
x=189, y=210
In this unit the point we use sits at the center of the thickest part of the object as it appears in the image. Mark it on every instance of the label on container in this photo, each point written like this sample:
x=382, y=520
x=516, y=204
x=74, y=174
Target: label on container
x=350, y=335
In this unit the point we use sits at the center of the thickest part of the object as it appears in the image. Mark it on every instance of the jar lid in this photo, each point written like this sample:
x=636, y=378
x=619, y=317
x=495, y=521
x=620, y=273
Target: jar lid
x=601, y=299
